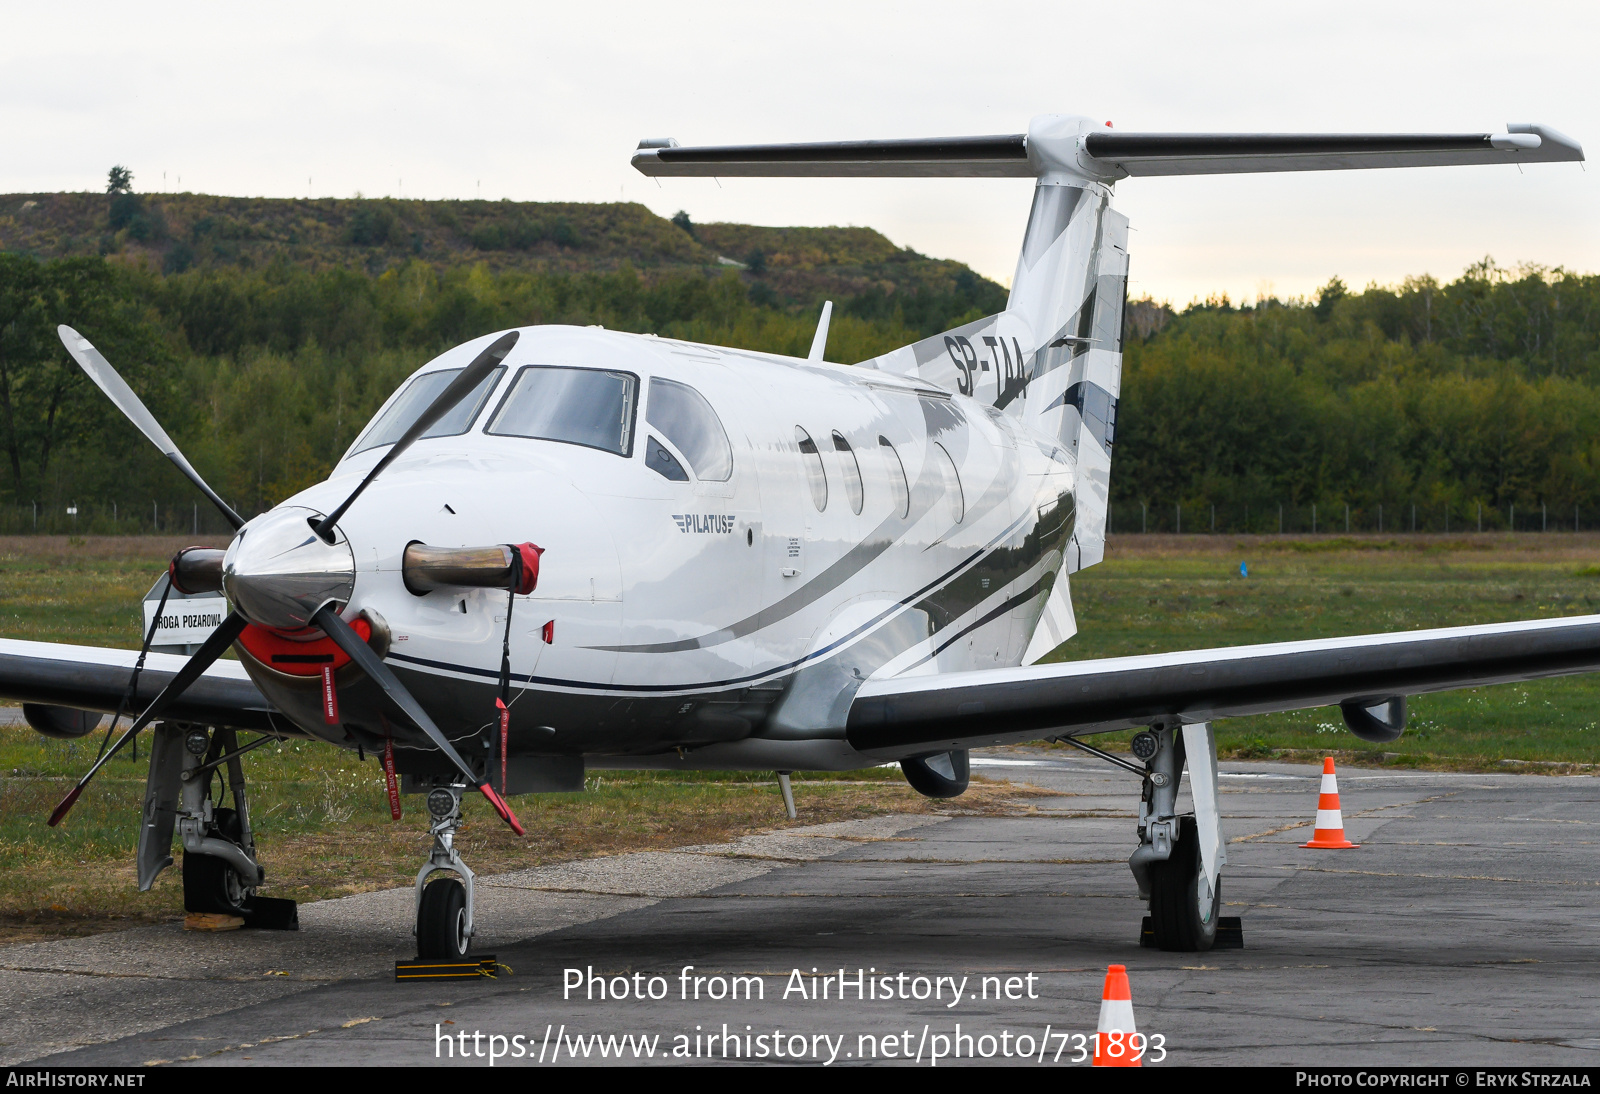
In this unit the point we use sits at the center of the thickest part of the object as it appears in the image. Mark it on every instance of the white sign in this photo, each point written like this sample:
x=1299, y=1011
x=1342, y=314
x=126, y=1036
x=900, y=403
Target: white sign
x=186, y=622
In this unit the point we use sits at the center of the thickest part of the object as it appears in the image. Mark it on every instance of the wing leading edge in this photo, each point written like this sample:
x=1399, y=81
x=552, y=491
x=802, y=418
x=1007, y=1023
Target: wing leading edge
x=1008, y=706
x=92, y=678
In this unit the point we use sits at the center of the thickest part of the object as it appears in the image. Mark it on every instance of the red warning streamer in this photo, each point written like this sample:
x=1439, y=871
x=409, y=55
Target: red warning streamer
x=388, y=778
x=330, y=697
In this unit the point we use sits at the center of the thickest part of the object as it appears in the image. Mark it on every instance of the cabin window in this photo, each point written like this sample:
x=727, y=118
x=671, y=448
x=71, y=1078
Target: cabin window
x=687, y=420
x=897, y=477
x=852, y=472
x=418, y=394
x=814, y=470
x=958, y=501
x=585, y=406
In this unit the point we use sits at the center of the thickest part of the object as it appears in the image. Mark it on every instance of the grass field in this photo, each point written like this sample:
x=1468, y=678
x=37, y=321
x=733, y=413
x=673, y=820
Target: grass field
x=1158, y=593
x=324, y=823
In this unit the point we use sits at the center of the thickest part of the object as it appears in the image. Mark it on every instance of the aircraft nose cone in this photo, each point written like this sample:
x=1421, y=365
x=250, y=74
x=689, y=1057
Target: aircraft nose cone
x=278, y=572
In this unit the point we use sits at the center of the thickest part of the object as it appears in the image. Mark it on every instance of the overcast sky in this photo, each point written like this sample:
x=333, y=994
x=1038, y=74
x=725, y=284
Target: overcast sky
x=545, y=102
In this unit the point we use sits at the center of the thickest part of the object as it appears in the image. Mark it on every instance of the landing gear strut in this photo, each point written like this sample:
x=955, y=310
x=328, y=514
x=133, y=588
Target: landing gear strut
x=1178, y=865
x=220, y=871
x=444, y=904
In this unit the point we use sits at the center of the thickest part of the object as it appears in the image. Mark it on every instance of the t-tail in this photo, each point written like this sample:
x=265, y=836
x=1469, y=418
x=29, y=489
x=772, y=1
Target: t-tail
x=1053, y=358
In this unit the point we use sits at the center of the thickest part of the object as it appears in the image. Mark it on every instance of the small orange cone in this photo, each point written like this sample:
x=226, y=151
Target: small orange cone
x=1329, y=831
x=1114, y=1044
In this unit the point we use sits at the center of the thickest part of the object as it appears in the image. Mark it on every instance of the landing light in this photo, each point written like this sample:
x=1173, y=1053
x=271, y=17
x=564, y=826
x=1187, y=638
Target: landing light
x=441, y=803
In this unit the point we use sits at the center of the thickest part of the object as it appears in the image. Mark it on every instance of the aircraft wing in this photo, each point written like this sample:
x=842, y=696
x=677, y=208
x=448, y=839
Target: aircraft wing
x=92, y=678
x=890, y=718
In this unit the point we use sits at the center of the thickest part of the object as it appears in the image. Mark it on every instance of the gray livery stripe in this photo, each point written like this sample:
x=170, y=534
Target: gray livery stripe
x=765, y=674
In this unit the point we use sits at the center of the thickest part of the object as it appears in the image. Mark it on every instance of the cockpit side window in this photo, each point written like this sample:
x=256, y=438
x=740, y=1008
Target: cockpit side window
x=688, y=422
x=585, y=406
x=422, y=390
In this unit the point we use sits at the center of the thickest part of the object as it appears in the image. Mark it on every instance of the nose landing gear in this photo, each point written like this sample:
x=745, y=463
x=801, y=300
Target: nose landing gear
x=444, y=904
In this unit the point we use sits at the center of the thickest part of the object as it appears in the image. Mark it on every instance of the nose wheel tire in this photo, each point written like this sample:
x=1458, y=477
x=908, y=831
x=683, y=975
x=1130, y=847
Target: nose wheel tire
x=442, y=921
x=1183, y=913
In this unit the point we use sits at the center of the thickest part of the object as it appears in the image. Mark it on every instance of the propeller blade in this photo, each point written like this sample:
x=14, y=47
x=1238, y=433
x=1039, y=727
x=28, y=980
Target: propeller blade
x=469, y=378
x=348, y=640
x=106, y=379
x=214, y=647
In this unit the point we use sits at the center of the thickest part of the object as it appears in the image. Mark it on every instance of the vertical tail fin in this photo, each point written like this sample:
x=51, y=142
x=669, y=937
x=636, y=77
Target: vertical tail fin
x=1053, y=358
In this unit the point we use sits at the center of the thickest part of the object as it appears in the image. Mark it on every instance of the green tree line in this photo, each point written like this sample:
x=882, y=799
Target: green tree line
x=264, y=376
x=1481, y=392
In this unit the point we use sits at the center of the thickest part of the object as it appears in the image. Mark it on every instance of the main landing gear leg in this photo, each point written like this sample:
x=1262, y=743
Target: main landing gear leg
x=444, y=904
x=1178, y=865
x=220, y=871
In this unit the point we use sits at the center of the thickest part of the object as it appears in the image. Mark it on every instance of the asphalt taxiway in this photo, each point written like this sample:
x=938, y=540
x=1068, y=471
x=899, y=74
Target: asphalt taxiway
x=1465, y=930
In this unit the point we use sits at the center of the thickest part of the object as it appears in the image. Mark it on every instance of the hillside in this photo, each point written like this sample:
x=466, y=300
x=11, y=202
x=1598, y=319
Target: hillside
x=174, y=233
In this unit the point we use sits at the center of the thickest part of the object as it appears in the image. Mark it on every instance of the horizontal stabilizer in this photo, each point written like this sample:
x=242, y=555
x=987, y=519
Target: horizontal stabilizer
x=1228, y=153
x=949, y=157
x=1107, y=154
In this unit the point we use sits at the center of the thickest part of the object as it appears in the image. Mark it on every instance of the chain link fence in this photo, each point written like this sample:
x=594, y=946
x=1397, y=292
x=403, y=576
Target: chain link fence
x=1401, y=517
x=114, y=518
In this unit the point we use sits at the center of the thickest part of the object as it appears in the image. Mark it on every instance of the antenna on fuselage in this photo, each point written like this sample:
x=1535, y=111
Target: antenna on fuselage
x=819, y=341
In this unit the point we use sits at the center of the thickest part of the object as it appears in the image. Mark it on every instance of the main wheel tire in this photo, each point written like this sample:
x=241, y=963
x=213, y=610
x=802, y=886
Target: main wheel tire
x=1183, y=916
x=442, y=921
x=211, y=884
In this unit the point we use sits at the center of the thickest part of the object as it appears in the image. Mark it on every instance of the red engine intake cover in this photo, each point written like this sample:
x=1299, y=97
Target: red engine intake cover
x=530, y=566
x=299, y=653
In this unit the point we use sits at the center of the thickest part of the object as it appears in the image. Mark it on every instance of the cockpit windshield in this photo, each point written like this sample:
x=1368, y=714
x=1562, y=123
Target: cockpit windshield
x=588, y=406
x=420, y=392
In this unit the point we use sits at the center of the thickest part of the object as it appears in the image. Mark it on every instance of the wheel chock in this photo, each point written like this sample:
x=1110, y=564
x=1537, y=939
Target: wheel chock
x=267, y=913
x=210, y=921
x=468, y=968
x=1230, y=934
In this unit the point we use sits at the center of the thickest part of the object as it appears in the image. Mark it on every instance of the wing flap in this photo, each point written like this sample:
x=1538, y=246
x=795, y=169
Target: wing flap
x=91, y=678
x=1007, y=706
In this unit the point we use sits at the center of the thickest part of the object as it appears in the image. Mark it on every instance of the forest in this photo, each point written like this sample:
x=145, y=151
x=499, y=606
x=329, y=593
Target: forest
x=1474, y=402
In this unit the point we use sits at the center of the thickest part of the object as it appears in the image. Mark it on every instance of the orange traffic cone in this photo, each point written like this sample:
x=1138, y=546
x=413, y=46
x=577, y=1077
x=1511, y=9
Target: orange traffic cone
x=1115, y=1044
x=1329, y=831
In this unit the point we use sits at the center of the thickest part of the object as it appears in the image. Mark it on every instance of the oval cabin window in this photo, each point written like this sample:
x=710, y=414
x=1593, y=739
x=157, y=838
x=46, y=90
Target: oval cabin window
x=897, y=478
x=852, y=472
x=814, y=470
x=958, y=501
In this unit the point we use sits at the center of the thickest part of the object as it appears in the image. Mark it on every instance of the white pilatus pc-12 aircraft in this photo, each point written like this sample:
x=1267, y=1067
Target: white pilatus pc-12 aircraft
x=743, y=560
